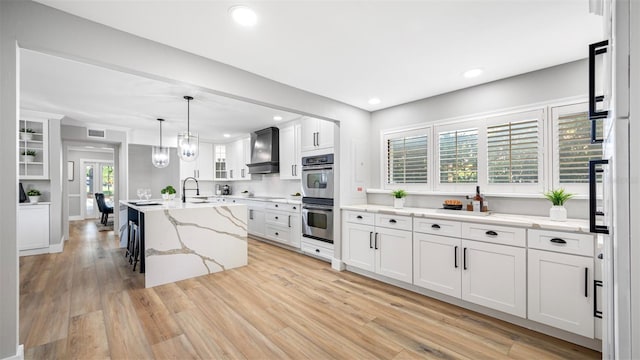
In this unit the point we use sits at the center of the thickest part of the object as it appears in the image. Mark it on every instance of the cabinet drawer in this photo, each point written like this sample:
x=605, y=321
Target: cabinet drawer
x=505, y=235
x=283, y=206
x=564, y=242
x=394, y=221
x=437, y=227
x=277, y=233
x=359, y=217
x=278, y=218
x=317, y=248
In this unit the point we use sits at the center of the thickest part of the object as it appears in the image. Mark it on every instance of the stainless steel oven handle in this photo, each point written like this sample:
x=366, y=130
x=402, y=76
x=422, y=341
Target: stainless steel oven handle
x=316, y=167
x=318, y=207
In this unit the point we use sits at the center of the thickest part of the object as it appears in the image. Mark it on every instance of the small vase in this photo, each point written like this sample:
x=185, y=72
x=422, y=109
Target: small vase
x=558, y=213
x=34, y=199
x=26, y=136
x=165, y=197
x=27, y=158
x=398, y=203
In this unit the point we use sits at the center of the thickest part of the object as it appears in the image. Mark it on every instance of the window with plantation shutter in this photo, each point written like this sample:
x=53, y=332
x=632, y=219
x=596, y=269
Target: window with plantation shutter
x=513, y=152
x=574, y=147
x=407, y=157
x=458, y=150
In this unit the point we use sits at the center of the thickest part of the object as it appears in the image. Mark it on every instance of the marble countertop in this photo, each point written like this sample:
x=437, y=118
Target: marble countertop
x=173, y=205
x=38, y=203
x=278, y=199
x=535, y=222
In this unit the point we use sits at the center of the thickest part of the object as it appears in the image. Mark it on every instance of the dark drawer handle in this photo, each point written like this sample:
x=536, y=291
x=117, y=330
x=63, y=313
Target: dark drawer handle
x=491, y=233
x=392, y=221
x=276, y=218
x=359, y=217
x=596, y=313
x=294, y=208
x=317, y=250
x=558, y=241
x=277, y=234
x=276, y=205
x=435, y=226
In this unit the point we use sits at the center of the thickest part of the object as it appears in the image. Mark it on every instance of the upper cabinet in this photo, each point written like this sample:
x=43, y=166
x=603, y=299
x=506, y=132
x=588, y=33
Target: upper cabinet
x=290, y=152
x=238, y=155
x=202, y=167
x=33, y=149
x=317, y=135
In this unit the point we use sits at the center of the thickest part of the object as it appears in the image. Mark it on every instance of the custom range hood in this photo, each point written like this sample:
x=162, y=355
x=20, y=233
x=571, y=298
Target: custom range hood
x=265, y=153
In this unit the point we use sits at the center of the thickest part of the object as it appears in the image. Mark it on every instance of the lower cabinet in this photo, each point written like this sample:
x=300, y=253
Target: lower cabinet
x=283, y=227
x=387, y=252
x=436, y=263
x=33, y=226
x=561, y=291
x=256, y=219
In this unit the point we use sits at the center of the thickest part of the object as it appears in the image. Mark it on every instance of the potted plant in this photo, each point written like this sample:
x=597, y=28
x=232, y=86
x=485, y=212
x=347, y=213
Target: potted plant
x=168, y=193
x=558, y=197
x=295, y=196
x=398, y=198
x=28, y=155
x=34, y=196
x=26, y=134
x=245, y=193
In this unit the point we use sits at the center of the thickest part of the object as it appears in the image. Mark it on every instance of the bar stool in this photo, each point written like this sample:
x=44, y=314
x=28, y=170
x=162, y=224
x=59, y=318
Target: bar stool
x=133, y=233
x=136, y=247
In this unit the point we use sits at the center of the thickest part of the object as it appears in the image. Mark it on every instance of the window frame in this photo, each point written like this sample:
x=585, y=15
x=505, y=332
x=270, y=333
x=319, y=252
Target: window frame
x=462, y=125
x=406, y=132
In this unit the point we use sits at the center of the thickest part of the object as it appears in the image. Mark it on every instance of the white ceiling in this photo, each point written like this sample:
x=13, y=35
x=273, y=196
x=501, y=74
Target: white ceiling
x=103, y=98
x=350, y=51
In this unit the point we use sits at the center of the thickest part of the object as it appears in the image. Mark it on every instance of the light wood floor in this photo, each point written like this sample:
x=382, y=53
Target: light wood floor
x=86, y=303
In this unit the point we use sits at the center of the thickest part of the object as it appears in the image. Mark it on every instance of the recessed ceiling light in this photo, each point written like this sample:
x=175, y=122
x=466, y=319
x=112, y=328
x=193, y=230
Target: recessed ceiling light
x=243, y=15
x=226, y=135
x=277, y=118
x=374, y=101
x=472, y=73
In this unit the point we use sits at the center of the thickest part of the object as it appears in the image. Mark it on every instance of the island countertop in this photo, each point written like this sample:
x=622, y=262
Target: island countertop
x=145, y=206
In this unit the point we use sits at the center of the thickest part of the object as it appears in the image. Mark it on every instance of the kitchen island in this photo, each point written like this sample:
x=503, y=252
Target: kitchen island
x=183, y=240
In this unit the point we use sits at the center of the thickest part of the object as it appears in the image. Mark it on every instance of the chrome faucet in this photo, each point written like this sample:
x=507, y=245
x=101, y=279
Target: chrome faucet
x=184, y=182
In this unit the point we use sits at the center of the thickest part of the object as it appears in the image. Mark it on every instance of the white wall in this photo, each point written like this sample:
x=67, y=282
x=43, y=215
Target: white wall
x=142, y=173
x=546, y=85
x=40, y=28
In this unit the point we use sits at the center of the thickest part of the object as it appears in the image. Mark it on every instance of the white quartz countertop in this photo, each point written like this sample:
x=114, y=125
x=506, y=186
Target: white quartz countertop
x=536, y=222
x=172, y=205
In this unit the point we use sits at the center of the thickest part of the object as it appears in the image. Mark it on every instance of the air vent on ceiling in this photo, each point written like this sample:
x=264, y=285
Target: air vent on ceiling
x=96, y=133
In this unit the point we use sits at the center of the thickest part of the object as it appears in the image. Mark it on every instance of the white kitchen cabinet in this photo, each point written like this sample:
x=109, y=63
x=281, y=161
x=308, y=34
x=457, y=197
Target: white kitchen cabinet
x=202, y=167
x=34, y=136
x=238, y=155
x=437, y=264
x=33, y=226
x=317, y=135
x=283, y=226
x=495, y=276
x=290, y=153
x=385, y=251
x=256, y=218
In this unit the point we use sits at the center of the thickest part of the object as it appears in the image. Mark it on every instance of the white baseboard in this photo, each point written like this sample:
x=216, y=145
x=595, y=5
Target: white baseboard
x=19, y=354
x=76, y=217
x=337, y=264
x=39, y=251
x=57, y=248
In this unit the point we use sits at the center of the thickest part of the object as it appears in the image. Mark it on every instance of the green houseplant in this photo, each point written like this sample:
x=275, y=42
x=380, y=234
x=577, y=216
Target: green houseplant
x=34, y=195
x=168, y=193
x=398, y=198
x=558, y=197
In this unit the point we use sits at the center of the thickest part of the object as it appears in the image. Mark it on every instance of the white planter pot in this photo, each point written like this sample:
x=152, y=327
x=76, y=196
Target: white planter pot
x=168, y=196
x=34, y=199
x=558, y=213
x=27, y=158
x=398, y=203
x=26, y=136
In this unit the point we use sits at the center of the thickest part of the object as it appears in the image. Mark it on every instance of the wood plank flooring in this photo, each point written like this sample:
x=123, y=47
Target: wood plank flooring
x=86, y=303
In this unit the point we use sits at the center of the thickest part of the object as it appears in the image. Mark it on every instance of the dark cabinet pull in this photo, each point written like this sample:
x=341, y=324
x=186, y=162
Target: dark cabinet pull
x=558, y=241
x=464, y=258
x=455, y=257
x=435, y=226
x=596, y=284
x=359, y=217
x=293, y=171
x=295, y=208
x=371, y=240
x=317, y=250
x=491, y=233
x=593, y=201
x=594, y=115
x=392, y=221
x=276, y=218
x=376, y=242
x=600, y=256
x=276, y=205
x=289, y=221
x=277, y=234
x=586, y=282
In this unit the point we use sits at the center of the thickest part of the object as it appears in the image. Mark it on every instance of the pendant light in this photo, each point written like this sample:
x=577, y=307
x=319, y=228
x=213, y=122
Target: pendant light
x=160, y=154
x=187, y=142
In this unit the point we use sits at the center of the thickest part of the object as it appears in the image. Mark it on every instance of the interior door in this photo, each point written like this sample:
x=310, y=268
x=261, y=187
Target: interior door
x=99, y=178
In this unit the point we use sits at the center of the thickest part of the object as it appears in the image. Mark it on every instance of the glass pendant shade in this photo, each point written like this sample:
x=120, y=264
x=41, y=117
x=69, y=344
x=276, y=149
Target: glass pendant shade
x=188, y=142
x=160, y=154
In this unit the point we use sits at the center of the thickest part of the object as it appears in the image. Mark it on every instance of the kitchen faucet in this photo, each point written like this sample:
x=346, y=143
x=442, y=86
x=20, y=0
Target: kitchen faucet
x=184, y=182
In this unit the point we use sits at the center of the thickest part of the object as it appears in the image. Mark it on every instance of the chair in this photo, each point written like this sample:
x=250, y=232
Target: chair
x=104, y=208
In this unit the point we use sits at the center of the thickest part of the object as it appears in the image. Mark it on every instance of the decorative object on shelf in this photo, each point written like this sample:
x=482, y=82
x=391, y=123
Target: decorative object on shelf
x=28, y=156
x=398, y=198
x=245, y=193
x=70, y=170
x=34, y=196
x=295, y=196
x=160, y=154
x=187, y=142
x=26, y=134
x=168, y=193
x=558, y=197
x=452, y=205
x=23, y=195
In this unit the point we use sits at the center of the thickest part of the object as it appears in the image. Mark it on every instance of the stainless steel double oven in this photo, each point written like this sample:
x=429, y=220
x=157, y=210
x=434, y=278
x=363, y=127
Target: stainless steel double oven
x=317, y=197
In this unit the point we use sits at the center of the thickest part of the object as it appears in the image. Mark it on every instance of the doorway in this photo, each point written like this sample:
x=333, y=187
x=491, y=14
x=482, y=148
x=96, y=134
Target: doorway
x=97, y=177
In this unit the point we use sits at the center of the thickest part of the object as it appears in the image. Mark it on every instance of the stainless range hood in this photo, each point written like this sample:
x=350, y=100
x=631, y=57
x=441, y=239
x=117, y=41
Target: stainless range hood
x=265, y=151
